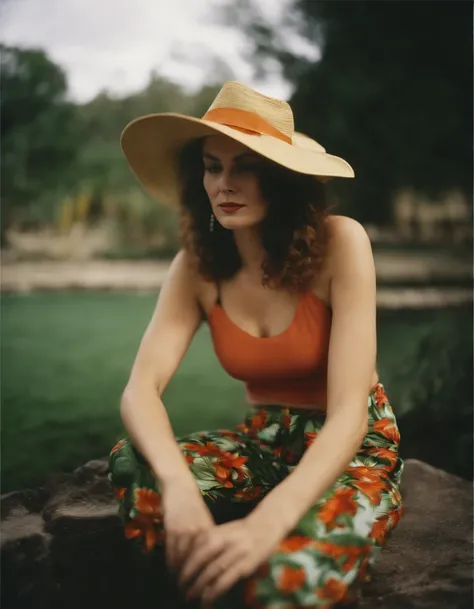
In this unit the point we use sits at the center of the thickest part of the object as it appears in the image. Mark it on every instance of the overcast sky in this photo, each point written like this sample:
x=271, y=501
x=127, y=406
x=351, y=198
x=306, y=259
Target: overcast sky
x=114, y=44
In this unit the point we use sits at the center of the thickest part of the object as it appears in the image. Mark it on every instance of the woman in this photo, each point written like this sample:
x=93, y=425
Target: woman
x=288, y=292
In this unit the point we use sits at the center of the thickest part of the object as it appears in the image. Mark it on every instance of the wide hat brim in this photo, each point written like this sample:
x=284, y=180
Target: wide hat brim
x=151, y=145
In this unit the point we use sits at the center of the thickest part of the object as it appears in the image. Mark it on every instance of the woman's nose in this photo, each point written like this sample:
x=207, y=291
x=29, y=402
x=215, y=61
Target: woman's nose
x=226, y=180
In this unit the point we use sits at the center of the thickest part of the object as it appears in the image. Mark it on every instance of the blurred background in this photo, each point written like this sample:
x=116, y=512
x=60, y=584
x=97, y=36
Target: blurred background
x=386, y=85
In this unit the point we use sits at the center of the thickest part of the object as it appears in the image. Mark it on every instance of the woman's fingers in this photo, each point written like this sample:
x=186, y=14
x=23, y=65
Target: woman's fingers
x=178, y=546
x=225, y=581
x=204, y=551
x=214, y=570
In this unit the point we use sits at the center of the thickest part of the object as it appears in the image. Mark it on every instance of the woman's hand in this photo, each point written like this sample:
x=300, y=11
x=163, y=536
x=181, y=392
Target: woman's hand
x=185, y=517
x=228, y=552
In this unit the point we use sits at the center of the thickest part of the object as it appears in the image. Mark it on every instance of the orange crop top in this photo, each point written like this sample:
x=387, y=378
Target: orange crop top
x=289, y=368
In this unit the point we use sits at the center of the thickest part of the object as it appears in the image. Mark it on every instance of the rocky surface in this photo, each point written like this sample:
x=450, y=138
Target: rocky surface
x=63, y=548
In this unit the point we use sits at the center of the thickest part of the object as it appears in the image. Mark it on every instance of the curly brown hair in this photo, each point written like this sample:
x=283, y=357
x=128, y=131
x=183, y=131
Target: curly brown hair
x=294, y=232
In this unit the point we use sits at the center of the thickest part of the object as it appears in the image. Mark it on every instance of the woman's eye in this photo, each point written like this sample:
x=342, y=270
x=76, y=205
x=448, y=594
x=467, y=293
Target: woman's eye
x=213, y=168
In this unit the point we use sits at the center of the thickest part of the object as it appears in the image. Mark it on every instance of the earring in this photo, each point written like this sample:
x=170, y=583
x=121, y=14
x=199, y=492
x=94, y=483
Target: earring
x=211, y=223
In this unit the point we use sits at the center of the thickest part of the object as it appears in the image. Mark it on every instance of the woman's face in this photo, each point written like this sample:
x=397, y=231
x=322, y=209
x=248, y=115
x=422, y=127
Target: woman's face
x=231, y=182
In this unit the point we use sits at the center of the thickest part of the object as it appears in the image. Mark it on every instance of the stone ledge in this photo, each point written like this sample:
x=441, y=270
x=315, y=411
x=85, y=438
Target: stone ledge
x=63, y=547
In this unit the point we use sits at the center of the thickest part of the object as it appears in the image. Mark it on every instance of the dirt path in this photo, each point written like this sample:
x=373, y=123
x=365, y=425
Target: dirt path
x=89, y=275
x=148, y=276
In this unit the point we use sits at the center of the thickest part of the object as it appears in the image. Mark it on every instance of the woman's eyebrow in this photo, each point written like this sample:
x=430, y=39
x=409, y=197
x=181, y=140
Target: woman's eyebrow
x=210, y=157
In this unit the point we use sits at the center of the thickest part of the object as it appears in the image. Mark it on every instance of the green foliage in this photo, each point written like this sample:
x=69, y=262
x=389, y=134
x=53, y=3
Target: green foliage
x=392, y=92
x=39, y=129
x=102, y=165
x=438, y=428
x=53, y=149
x=144, y=228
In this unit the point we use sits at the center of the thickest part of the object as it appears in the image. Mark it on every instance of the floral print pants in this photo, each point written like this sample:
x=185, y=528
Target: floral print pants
x=322, y=560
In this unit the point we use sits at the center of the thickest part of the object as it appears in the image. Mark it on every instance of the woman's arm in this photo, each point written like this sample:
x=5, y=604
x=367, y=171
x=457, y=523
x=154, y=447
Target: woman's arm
x=176, y=318
x=351, y=364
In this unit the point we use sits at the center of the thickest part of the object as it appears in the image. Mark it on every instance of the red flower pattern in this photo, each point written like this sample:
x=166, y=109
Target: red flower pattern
x=342, y=502
x=380, y=396
x=388, y=429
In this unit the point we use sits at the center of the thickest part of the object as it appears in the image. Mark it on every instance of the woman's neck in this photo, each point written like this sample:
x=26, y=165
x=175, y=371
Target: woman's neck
x=251, y=251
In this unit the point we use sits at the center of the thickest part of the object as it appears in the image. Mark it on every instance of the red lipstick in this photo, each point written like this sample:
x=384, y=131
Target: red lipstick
x=230, y=208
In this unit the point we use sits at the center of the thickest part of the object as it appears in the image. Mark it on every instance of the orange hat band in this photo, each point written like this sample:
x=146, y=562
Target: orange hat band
x=248, y=122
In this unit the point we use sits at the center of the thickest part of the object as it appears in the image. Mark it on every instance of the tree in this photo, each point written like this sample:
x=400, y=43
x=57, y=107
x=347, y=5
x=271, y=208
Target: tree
x=392, y=92
x=39, y=129
x=102, y=165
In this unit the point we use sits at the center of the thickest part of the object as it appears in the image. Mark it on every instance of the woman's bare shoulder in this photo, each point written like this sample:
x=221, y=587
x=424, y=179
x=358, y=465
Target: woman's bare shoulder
x=182, y=264
x=346, y=237
x=349, y=246
x=348, y=243
x=184, y=268
x=343, y=228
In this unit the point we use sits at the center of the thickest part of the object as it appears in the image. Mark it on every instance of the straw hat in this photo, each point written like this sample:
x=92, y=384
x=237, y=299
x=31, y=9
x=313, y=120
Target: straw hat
x=304, y=141
x=264, y=124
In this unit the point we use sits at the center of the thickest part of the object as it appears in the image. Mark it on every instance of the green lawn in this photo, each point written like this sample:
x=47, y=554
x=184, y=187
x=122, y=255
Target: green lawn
x=66, y=357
